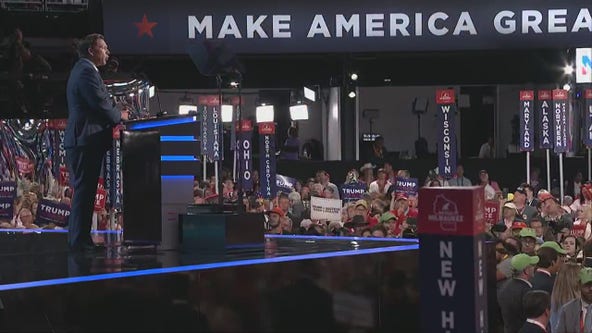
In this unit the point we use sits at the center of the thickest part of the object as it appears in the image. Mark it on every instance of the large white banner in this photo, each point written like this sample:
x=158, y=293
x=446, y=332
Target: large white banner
x=325, y=209
x=584, y=65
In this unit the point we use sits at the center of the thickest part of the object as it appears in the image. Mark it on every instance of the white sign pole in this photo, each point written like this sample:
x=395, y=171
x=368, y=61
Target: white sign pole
x=528, y=167
x=548, y=170
x=561, y=177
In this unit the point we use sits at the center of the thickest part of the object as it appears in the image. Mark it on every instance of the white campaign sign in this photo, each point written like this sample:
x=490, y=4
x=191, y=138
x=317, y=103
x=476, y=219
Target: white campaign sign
x=325, y=209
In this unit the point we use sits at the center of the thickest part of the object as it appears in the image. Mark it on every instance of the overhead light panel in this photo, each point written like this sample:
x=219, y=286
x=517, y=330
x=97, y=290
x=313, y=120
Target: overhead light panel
x=265, y=113
x=310, y=94
x=227, y=112
x=299, y=112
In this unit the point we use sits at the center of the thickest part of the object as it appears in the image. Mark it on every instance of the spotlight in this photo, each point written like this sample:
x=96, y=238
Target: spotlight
x=265, y=113
x=352, y=94
x=567, y=87
x=151, y=91
x=568, y=69
x=227, y=111
x=234, y=84
x=310, y=94
x=299, y=112
x=186, y=105
x=354, y=76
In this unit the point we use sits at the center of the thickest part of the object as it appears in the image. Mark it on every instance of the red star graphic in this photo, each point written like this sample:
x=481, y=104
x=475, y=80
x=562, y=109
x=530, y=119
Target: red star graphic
x=145, y=27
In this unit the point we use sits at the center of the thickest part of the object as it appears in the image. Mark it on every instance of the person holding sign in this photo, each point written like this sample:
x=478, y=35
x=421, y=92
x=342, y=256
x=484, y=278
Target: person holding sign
x=89, y=135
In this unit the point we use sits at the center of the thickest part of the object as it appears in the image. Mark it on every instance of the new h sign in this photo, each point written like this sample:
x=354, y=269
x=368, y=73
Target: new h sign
x=584, y=65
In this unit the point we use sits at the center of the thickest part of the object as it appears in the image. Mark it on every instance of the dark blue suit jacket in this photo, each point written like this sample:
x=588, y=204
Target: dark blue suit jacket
x=91, y=112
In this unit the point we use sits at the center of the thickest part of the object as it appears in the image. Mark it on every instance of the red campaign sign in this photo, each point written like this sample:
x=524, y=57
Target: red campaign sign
x=559, y=94
x=245, y=126
x=588, y=94
x=527, y=95
x=266, y=128
x=578, y=230
x=208, y=100
x=100, y=198
x=24, y=165
x=544, y=95
x=492, y=211
x=451, y=211
x=57, y=124
x=64, y=176
x=445, y=96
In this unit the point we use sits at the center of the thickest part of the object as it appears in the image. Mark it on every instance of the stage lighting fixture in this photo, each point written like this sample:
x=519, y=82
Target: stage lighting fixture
x=299, y=112
x=568, y=69
x=310, y=94
x=234, y=84
x=567, y=87
x=265, y=113
x=352, y=94
x=227, y=111
x=186, y=105
x=354, y=76
x=151, y=91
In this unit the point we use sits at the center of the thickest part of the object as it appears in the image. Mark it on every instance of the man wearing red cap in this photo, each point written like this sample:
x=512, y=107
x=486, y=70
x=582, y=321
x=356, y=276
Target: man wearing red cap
x=275, y=224
x=552, y=212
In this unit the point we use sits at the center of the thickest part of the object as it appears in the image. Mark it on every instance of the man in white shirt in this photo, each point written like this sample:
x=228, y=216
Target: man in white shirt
x=487, y=150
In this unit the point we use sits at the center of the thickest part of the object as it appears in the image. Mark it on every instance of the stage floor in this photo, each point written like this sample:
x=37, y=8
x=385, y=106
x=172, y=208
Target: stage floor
x=36, y=258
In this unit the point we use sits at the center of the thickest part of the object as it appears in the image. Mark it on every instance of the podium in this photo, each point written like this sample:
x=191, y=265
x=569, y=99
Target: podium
x=142, y=186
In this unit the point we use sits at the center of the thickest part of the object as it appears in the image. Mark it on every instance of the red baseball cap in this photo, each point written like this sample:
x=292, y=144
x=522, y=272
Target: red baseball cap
x=276, y=210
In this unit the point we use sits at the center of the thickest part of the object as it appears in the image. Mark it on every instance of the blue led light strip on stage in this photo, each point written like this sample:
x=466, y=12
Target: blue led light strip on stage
x=177, y=138
x=161, y=123
x=179, y=269
x=178, y=158
x=382, y=239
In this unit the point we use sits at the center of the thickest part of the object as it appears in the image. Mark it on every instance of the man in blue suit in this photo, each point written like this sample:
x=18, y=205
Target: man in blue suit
x=91, y=118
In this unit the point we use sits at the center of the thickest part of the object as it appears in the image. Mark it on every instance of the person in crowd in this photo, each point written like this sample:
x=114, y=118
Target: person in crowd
x=536, y=305
x=553, y=213
x=551, y=257
x=573, y=247
x=291, y=148
x=274, y=221
x=324, y=179
x=361, y=208
x=531, y=199
x=567, y=202
x=487, y=149
x=378, y=152
x=388, y=220
x=510, y=295
x=400, y=209
x=358, y=225
x=24, y=219
x=581, y=227
x=517, y=227
x=535, y=179
x=88, y=136
x=542, y=232
x=367, y=175
x=228, y=190
x=528, y=240
x=508, y=218
x=459, y=177
x=585, y=197
x=576, y=315
x=390, y=172
x=381, y=184
x=565, y=289
x=491, y=187
x=573, y=187
x=523, y=210
x=379, y=231
x=504, y=251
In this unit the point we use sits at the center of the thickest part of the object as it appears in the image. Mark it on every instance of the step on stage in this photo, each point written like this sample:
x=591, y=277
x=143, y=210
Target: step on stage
x=289, y=283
